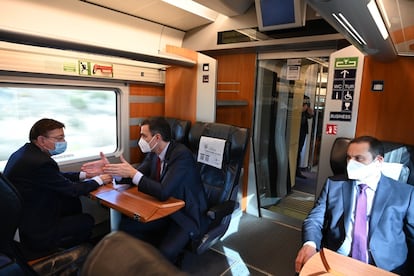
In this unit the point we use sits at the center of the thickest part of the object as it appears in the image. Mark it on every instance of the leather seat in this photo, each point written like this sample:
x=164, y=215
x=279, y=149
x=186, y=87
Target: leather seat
x=179, y=129
x=121, y=254
x=221, y=185
x=12, y=259
x=338, y=155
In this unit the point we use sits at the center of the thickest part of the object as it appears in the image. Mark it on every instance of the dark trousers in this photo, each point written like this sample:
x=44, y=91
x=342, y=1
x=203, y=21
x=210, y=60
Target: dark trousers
x=164, y=234
x=72, y=228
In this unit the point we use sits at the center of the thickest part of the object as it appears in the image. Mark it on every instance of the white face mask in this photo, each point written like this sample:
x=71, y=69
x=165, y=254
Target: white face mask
x=145, y=146
x=361, y=172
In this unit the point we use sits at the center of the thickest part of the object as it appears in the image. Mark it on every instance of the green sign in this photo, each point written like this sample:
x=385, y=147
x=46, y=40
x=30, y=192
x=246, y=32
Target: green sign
x=346, y=62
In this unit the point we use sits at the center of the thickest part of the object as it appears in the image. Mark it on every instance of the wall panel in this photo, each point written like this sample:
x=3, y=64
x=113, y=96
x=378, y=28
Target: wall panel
x=235, y=97
x=387, y=115
x=145, y=101
x=181, y=87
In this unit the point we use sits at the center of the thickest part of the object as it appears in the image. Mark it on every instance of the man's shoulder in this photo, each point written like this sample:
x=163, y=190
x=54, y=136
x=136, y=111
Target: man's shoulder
x=397, y=185
x=179, y=147
x=338, y=178
x=29, y=154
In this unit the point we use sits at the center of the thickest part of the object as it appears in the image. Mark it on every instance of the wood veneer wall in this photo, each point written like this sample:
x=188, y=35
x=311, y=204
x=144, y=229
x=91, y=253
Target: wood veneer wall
x=181, y=87
x=235, y=89
x=235, y=97
x=388, y=115
x=139, y=108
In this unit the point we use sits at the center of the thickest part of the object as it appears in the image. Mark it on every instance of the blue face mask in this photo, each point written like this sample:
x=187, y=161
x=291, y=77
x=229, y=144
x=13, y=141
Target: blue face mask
x=60, y=147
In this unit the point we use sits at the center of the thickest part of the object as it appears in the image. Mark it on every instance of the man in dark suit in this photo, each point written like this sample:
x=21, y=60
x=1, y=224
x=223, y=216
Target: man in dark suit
x=307, y=113
x=52, y=211
x=179, y=177
x=389, y=215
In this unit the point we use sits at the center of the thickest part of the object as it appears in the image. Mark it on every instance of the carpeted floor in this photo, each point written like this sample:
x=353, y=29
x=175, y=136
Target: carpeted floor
x=296, y=205
x=252, y=246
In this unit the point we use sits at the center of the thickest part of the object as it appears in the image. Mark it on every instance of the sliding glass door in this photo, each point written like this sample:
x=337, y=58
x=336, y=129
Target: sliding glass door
x=285, y=87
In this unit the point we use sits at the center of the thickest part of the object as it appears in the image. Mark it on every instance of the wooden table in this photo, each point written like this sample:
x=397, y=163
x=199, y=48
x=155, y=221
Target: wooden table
x=135, y=204
x=339, y=265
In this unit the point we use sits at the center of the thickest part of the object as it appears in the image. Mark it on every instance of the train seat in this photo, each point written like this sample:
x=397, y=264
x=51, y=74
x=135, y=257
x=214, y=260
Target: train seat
x=12, y=259
x=221, y=184
x=11, y=206
x=121, y=254
x=179, y=129
x=338, y=155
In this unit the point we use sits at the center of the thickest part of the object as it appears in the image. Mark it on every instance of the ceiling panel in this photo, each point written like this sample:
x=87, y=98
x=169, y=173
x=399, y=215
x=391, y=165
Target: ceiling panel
x=399, y=12
x=156, y=11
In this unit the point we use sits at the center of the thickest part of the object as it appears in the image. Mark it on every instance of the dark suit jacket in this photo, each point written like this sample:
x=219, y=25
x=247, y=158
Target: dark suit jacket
x=42, y=186
x=180, y=178
x=391, y=225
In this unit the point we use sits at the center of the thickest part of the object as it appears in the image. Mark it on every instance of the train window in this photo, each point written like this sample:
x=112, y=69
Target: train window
x=89, y=115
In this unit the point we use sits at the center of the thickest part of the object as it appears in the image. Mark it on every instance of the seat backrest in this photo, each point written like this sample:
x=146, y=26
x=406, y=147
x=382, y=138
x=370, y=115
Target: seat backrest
x=13, y=260
x=121, y=254
x=11, y=206
x=396, y=171
x=403, y=154
x=338, y=155
x=219, y=183
x=179, y=129
x=11, y=211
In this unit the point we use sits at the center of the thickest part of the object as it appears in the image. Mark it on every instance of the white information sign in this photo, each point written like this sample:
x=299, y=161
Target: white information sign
x=211, y=151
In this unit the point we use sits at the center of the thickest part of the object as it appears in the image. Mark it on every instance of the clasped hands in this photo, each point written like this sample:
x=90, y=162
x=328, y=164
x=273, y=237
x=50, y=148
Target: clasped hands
x=103, y=168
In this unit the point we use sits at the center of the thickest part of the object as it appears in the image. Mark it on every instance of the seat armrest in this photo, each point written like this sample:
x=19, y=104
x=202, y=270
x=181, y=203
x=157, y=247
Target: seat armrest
x=221, y=210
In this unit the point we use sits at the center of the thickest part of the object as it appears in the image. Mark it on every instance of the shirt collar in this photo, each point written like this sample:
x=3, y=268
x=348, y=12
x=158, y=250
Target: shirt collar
x=372, y=182
x=164, y=151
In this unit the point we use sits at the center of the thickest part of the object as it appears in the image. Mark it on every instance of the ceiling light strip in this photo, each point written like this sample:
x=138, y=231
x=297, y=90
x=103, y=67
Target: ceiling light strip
x=349, y=28
x=373, y=10
x=195, y=8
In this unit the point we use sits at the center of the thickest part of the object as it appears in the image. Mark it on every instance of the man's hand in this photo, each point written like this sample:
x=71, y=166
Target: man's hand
x=123, y=169
x=304, y=254
x=95, y=168
x=106, y=178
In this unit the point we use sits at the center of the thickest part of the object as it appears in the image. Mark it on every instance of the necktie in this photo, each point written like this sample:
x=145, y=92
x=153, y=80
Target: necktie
x=359, y=239
x=158, y=172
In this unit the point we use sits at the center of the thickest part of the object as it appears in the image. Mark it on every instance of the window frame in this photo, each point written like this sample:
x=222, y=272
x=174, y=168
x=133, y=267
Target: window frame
x=122, y=110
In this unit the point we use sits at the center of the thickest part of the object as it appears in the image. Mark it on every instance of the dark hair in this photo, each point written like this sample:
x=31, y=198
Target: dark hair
x=306, y=100
x=158, y=125
x=375, y=146
x=42, y=127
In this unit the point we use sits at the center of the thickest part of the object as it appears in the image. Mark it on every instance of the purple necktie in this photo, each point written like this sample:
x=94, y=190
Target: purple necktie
x=359, y=239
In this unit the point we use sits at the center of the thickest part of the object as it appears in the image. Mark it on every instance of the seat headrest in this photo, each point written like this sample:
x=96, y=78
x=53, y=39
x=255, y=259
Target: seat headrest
x=338, y=155
x=400, y=153
x=236, y=138
x=179, y=129
x=396, y=171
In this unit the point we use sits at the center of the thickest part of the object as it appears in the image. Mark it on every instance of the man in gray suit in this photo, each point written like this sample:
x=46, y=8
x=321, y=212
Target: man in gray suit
x=389, y=212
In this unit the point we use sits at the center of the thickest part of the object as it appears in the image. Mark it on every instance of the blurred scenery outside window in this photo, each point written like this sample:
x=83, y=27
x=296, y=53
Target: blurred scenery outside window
x=89, y=115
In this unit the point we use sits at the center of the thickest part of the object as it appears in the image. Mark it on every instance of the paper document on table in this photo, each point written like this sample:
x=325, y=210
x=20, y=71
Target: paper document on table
x=119, y=186
x=210, y=151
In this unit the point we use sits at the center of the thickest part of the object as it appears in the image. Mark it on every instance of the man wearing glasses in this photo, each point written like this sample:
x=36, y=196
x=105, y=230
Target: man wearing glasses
x=52, y=210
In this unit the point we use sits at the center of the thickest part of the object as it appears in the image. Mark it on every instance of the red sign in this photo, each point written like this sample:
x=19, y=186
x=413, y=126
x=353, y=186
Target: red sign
x=331, y=129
